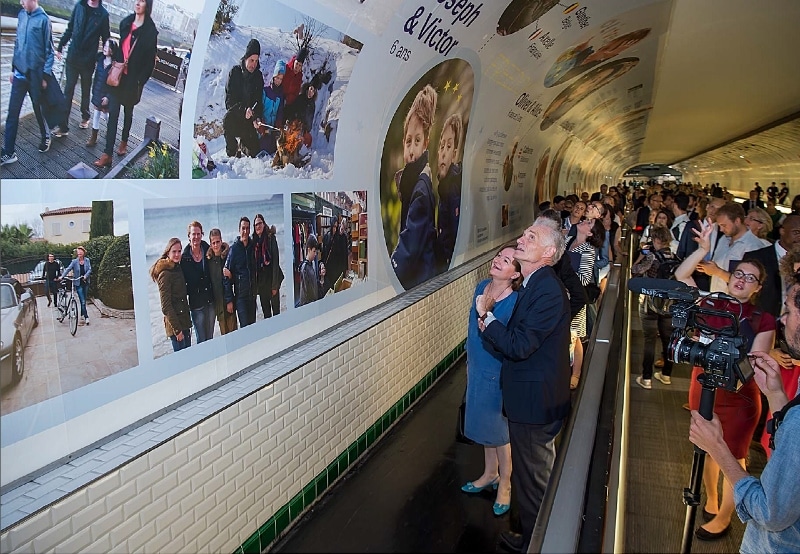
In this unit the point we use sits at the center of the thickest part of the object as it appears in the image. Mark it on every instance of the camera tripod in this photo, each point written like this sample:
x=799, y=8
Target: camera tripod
x=691, y=495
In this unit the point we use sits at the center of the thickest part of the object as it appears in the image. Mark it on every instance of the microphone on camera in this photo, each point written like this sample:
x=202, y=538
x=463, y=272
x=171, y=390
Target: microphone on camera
x=663, y=288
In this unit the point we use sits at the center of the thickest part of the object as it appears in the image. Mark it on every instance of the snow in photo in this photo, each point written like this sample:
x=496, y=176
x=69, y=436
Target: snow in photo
x=272, y=85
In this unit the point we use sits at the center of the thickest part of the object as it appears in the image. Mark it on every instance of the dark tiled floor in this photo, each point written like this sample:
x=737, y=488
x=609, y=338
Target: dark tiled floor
x=405, y=497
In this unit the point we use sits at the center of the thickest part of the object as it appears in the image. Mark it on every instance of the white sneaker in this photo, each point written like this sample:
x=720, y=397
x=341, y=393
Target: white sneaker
x=86, y=320
x=9, y=158
x=663, y=378
x=644, y=383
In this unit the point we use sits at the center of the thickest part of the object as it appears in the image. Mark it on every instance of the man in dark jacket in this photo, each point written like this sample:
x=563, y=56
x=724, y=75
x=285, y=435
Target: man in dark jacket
x=244, y=103
x=32, y=60
x=240, y=290
x=88, y=28
x=51, y=272
x=770, y=298
x=535, y=375
x=565, y=271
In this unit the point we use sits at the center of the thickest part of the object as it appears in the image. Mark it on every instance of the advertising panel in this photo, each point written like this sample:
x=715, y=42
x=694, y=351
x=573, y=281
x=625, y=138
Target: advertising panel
x=245, y=128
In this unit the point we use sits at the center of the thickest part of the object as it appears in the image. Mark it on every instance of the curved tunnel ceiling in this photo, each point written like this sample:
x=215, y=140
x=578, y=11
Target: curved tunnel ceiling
x=655, y=82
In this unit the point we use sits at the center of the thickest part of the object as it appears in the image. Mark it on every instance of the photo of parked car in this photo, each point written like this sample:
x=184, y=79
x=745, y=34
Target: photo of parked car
x=19, y=318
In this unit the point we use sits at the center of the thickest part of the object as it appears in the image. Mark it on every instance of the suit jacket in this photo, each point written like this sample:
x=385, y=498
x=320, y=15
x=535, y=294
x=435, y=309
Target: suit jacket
x=770, y=297
x=747, y=207
x=686, y=244
x=534, y=346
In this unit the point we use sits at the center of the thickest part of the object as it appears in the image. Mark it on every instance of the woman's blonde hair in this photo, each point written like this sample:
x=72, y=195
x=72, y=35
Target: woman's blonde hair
x=763, y=217
x=170, y=243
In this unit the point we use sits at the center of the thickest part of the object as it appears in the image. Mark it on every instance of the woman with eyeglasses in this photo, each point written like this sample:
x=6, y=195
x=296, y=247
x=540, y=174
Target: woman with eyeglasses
x=760, y=223
x=738, y=411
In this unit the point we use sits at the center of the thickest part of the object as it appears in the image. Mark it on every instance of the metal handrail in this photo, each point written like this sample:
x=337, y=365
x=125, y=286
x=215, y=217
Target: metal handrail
x=566, y=492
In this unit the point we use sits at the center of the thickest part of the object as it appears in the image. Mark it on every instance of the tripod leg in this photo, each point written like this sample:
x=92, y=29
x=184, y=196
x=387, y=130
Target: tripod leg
x=691, y=495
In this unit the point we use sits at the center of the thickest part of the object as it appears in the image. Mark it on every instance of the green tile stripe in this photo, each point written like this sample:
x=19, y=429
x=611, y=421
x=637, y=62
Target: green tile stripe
x=280, y=520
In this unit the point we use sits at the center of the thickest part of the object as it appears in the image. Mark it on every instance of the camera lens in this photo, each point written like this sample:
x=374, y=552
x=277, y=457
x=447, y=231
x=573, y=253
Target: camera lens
x=683, y=350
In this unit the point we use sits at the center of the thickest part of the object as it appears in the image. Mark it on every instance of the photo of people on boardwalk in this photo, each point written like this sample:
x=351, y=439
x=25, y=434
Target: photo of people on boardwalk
x=421, y=170
x=213, y=268
x=67, y=299
x=273, y=83
x=329, y=243
x=65, y=116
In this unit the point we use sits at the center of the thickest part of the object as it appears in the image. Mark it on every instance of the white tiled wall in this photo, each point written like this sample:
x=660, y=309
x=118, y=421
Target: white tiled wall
x=212, y=486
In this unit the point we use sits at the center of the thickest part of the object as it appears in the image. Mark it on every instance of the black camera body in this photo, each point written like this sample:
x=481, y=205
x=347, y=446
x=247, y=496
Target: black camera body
x=724, y=359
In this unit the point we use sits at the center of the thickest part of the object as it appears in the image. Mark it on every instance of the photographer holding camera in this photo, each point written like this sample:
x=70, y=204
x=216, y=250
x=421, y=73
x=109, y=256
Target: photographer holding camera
x=738, y=412
x=768, y=505
x=655, y=323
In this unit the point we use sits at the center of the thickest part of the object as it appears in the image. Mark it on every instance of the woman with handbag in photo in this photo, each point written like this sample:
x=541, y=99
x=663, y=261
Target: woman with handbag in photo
x=137, y=51
x=484, y=421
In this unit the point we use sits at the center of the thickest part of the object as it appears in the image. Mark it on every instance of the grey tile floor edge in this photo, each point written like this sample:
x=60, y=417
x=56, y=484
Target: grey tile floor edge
x=27, y=496
x=405, y=494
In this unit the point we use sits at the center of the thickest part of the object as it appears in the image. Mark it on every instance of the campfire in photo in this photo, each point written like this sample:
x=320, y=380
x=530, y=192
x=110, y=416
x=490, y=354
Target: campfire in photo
x=289, y=143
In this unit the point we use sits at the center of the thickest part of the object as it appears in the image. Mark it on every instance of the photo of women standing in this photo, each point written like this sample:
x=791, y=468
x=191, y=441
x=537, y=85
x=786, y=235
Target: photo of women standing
x=138, y=42
x=168, y=275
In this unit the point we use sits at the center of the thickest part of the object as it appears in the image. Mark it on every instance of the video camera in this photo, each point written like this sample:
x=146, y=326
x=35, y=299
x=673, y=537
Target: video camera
x=723, y=359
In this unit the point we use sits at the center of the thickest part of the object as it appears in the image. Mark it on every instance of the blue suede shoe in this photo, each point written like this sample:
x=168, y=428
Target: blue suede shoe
x=500, y=509
x=472, y=489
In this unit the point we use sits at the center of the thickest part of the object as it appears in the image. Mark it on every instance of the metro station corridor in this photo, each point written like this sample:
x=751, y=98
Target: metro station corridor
x=325, y=420
x=405, y=495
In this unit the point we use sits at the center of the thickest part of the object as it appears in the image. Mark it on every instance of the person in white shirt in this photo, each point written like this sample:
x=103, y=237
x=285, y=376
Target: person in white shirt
x=679, y=207
x=738, y=239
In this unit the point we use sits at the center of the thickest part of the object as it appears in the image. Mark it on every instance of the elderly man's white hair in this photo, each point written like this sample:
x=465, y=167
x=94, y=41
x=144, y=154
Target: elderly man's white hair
x=550, y=235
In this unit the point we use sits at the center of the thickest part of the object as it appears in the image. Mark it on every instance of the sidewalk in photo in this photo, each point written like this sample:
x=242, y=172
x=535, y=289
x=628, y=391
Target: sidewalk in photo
x=57, y=362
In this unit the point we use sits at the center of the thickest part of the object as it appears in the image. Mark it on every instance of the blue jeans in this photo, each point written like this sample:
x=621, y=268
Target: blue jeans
x=185, y=343
x=20, y=88
x=82, y=289
x=203, y=321
x=246, y=310
x=85, y=74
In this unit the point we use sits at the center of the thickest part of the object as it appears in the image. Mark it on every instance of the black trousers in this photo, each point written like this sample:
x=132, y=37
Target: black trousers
x=236, y=126
x=657, y=329
x=74, y=72
x=533, y=453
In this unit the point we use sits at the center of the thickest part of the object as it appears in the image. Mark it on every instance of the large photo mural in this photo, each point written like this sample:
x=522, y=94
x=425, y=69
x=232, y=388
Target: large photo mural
x=421, y=175
x=215, y=205
x=271, y=90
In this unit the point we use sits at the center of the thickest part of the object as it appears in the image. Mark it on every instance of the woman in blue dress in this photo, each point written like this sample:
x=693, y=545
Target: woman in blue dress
x=484, y=421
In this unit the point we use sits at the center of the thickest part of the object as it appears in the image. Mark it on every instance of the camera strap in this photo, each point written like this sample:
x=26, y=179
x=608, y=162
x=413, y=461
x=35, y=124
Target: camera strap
x=777, y=419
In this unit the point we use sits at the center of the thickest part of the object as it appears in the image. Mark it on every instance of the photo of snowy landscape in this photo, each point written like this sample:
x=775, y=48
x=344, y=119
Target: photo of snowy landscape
x=283, y=34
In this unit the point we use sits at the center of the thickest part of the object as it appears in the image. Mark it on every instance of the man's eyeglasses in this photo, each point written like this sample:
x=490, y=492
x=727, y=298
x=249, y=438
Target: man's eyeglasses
x=748, y=277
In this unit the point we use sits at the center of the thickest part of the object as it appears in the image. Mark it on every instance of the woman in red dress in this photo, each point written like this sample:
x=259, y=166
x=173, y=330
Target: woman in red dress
x=738, y=411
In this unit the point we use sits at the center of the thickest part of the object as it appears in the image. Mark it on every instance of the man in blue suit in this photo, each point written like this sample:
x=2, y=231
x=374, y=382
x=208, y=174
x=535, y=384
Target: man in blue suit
x=535, y=374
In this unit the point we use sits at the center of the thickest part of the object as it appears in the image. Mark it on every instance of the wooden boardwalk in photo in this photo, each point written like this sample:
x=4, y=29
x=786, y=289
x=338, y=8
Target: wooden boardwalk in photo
x=158, y=101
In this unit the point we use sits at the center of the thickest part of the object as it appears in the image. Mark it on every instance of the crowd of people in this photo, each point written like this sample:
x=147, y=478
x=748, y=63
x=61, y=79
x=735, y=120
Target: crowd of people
x=203, y=284
x=90, y=58
x=529, y=320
